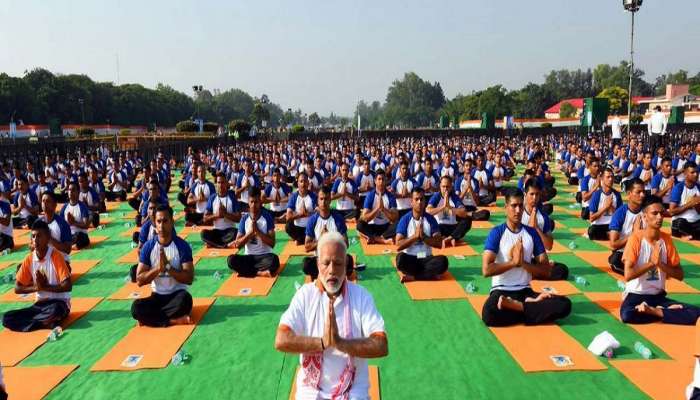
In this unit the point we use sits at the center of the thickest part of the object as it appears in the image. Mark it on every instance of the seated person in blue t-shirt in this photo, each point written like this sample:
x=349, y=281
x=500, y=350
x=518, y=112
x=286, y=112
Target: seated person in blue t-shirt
x=165, y=262
x=513, y=255
x=602, y=205
x=322, y=221
x=685, y=204
x=626, y=220
x=222, y=212
x=417, y=232
x=449, y=211
x=256, y=233
x=379, y=214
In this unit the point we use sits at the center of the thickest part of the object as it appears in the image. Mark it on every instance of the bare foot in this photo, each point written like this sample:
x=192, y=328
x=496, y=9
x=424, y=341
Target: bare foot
x=506, y=303
x=407, y=278
x=184, y=320
x=644, y=308
x=445, y=242
x=265, y=274
x=541, y=297
x=675, y=307
x=453, y=242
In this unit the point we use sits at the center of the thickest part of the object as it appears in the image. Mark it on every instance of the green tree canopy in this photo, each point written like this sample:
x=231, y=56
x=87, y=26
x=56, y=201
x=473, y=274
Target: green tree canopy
x=413, y=102
x=617, y=97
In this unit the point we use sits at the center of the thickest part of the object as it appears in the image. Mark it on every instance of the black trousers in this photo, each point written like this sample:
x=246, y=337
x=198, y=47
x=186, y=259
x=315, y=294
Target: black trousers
x=182, y=198
x=421, y=268
x=387, y=231
x=687, y=315
x=218, y=237
x=278, y=214
x=40, y=315
x=81, y=240
x=95, y=218
x=681, y=227
x=194, y=218
x=114, y=196
x=487, y=199
x=548, y=193
x=585, y=213
x=573, y=180
x=559, y=272
x=158, y=309
x=297, y=233
x=478, y=215
x=349, y=214
x=578, y=197
x=6, y=242
x=534, y=313
x=19, y=222
x=456, y=231
x=598, y=232
x=548, y=208
x=655, y=141
x=135, y=203
x=250, y=265
x=615, y=261
x=310, y=266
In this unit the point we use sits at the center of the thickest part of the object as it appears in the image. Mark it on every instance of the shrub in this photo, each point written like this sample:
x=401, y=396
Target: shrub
x=186, y=126
x=636, y=119
x=239, y=125
x=84, y=132
x=297, y=128
x=546, y=125
x=211, y=127
x=125, y=132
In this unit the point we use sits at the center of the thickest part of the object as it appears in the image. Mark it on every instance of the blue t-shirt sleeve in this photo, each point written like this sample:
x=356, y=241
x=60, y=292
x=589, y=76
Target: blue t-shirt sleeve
x=184, y=249
x=434, y=200
x=493, y=240
x=593, y=203
x=143, y=233
x=291, y=204
x=369, y=201
x=210, y=204
x=65, y=230
x=340, y=224
x=656, y=181
x=310, y=225
x=145, y=253
x=402, y=226
x=618, y=219
x=676, y=194
x=392, y=200
x=432, y=222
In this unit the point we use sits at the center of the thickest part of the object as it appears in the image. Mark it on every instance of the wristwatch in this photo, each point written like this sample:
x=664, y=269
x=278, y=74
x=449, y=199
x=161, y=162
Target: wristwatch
x=168, y=266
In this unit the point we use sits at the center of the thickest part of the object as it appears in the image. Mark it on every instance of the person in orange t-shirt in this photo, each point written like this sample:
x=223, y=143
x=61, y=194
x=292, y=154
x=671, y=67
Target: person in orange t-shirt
x=44, y=272
x=649, y=259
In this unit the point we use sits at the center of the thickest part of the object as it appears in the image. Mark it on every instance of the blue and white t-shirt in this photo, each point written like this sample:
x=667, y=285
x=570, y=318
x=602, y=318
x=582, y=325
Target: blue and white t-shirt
x=398, y=186
x=205, y=189
x=445, y=217
x=80, y=213
x=297, y=203
x=500, y=241
x=177, y=252
x=586, y=185
x=407, y=227
x=659, y=182
x=623, y=221
x=30, y=200
x=317, y=224
x=344, y=203
x=598, y=199
x=544, y=223
x=265, y=223
x=60, y=231
x=680, y=195
x=6, y=211
x=282, y=192
x=230, y=205
x=253, y=180
x=372, y=202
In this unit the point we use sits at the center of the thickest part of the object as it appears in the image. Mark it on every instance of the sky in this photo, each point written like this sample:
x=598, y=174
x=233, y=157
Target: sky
x=323, y=56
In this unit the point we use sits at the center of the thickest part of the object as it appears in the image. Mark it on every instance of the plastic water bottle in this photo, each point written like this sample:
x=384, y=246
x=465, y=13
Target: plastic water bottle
x=133, y=245
x=104, y=215
x=55, y=333
x=621, y=285
x=180, y=358
x=573, y=205
x=470, y=288
x=127, y=224
x=127, y=278
x=100, y=227
x=609, y=353
x=218, y=276
x=581, y=281
x=643, y=350
x=353, y=240
x=297, y=285
x=572, y=245
x=123, y=214
x=6, y=252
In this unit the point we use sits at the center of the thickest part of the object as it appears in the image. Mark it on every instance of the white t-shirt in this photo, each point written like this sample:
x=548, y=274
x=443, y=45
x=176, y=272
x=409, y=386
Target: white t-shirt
x=654, y=280
x=616, y=126
x=306, y=316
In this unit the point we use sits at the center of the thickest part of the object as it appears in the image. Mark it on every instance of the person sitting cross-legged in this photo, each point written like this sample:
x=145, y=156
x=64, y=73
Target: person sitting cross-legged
x=538, y=219
x=626, y=220
x=448, y=210
x=76, y=214
x=301, y=205
x=379, y=215
x=513, y=255
x=256, y=233
x=6, y=239
x=650, y=258
x=198, y=197
x=602, y=204
x=165, y=262
x=417, y=232
x=685, y=204
x=44, y=272
x=321, y=222
x=222, y=212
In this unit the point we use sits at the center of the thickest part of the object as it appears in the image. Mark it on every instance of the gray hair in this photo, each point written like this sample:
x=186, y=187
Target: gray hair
x=331, y=238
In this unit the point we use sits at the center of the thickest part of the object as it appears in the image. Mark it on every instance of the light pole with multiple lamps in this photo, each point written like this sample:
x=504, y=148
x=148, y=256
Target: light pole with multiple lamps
x=632, y=6
x=197, y=91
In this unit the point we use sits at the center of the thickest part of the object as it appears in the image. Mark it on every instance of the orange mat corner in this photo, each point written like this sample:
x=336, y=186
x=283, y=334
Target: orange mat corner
x=43, y=380
x=444, y=288
x=153, y=347
x=238, y=286
x=482, y=225
x=7, y=264
x=293, y=249
x=462, y=249
x=132, y=257
x=558, y=248
x=526, y=345
x=561, y=288
x=206, y=252
x=660, y=379
x=377, y=249
x=374, y=388
x=131, y=291
x=16, y=346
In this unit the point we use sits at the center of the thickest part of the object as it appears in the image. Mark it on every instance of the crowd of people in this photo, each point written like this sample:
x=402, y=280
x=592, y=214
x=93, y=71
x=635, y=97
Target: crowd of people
x=415, y=193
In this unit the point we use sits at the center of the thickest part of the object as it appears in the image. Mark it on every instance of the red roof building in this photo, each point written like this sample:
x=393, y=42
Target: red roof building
x=553, y=111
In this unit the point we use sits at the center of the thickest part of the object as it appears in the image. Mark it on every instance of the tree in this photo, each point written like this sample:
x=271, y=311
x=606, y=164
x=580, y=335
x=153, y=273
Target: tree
x=531, y=101
x=495, y=100
x=314, y=119
x=259, y=114
x=567, y=111
x=371, y=116
x=672, y=78
x=606, y=76
x=617, y=97
x=413, y=102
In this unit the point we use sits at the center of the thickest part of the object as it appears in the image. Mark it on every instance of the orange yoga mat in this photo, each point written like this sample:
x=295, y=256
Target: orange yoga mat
x=131, y=291
x=599, y=260
x=147, y=348
x=21, y=242
x=191, y=230
x=481, y=225
x=212, y=252
x=94, y=241
x=127, y=233
x=293, y=249
x=16, y=346
x=693, y=258
x=561, y=288
x=112, y=205
x=35, y=383
x=462, y=249
x=20, y=232
x=678, y=341
x=558, y=248
x=376, y=249
x=534, y=347
x=374, y=388
x=7, y=264
x=126, y=214
x=443, y=288
x=569, y=211
x=238, y=286
x=132, y=257
x=660, y=379
x=78, y=269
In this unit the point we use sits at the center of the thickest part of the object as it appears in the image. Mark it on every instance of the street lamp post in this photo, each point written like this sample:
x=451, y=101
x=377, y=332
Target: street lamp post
x=82, y=110
x=632, y=6
x=197, y=90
